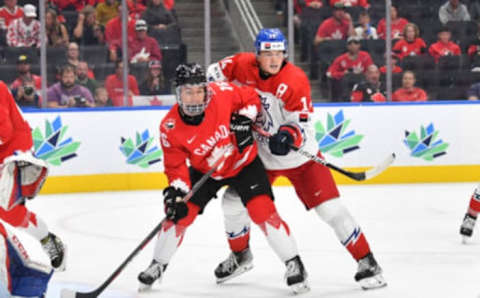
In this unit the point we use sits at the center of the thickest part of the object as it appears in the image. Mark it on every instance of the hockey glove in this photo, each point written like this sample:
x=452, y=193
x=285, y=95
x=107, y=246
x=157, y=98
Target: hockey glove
x=175, y=208
x=287, y=137
x=242, y=127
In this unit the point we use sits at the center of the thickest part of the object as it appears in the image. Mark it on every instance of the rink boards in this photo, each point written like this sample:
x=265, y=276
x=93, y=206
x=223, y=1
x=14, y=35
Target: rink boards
x=118, y=149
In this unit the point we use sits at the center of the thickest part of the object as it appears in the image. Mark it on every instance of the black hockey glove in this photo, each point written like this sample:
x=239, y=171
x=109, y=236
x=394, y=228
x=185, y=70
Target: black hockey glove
x=281, y=142
x=242, y=127
x=175, y=208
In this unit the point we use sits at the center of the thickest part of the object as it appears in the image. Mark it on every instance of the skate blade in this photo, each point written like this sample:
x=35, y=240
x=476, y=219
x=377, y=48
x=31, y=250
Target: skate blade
x=300, y=288
x=465, y=239
x=374, y=282
x=63, y=265
x=239, y=271
x=144, y=287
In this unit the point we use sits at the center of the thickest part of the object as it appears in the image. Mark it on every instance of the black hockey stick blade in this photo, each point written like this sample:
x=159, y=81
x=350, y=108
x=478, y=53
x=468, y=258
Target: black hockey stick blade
x=67, y=293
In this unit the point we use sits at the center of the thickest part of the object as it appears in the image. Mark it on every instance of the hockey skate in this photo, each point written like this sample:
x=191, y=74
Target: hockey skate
x=296, y=276
x=466, y=229
x=55, y=250
x=150, y=275
x=369, y=273
x=236, y=264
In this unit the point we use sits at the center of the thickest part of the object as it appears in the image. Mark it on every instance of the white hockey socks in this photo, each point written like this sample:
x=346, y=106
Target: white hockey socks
x=346, y=228
x=236, y=220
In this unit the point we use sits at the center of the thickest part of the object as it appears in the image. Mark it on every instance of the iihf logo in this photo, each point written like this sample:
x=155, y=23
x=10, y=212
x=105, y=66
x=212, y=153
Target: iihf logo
x=427, y=146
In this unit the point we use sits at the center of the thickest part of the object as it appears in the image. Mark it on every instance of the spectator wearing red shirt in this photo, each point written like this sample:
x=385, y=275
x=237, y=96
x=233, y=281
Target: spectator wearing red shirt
x=77, y=5
x=411, y=44
x=141, y=47
x=339, y=26
x=398, y=24
x=170, y=4
x=354, y=61
x=114, y=86
x=395, y=67
x=409, y=92
x=444, y=47
x=371, y=89
x=113, y=33
x=24, y=72
x=349, y=3
x=9, y=12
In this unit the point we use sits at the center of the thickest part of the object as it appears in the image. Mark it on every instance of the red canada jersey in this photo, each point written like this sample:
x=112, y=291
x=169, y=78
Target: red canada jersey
x=440, y=49
x=397, y=28
x=15, y=133
x=404, y=48
x=416, y=94
x=344, y=63
x=334, y=29
x=201, y=144
x=7, y=16
x=285, y=99
x=362, y=3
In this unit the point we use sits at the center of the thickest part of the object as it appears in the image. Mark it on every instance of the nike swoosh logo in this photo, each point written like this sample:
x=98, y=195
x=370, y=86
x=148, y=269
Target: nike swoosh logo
x=253, y=186
x=191, y=139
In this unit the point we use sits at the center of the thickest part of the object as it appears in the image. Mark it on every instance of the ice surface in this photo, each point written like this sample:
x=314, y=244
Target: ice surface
x=412, y=230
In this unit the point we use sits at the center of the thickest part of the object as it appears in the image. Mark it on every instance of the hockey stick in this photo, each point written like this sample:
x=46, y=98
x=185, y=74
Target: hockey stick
x=358, y=176
x=67, y=293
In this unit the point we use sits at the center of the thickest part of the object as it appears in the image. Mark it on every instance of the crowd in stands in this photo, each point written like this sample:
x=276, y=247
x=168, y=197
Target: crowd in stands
x=84, y=50
x=435, y=48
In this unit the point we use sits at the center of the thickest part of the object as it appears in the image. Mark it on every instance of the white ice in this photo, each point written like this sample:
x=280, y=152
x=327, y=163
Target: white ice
x=413, y=231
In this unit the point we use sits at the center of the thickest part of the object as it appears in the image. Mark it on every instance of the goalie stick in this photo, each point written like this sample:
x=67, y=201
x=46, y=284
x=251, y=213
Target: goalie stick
x=358, y=176
x=67, y=293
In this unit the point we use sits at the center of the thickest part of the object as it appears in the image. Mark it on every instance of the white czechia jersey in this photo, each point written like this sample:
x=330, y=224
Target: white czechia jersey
x=285, y=99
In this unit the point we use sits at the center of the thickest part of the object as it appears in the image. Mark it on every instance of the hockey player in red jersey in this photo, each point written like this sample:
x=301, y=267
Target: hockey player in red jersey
x=468, y=224
x=211, y=121
x=286, y=114
x=21, y=177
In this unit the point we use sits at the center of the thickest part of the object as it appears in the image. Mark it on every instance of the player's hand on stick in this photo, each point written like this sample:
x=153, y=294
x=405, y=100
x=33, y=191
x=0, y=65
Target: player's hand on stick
x=281, y=142
x=242, y=127
x=175, y=208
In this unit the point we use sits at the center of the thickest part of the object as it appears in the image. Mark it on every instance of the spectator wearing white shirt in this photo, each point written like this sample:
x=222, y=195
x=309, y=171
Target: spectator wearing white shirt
x=25, y=32
x=365, y=30
x=453, y=10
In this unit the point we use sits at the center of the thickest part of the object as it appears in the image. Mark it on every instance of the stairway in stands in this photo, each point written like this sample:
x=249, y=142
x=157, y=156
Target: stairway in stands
x=191, y=19
x=269, y=18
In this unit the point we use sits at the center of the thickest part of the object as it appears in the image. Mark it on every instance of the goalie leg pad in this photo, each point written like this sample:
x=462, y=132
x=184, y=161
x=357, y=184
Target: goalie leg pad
x=346, y=228
x=26, y=278
x=21, y=217
x=237, y=222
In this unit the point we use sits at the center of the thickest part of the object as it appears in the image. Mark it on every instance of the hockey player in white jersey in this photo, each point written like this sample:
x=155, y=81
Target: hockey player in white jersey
x=286, y=115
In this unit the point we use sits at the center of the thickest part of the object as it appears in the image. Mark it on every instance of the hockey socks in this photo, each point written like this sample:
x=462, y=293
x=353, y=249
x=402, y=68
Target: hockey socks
x=468, y=223
x=345, y=227
x=474, y=206
x=171, y=235
x=262, y=212
x=236, y=220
